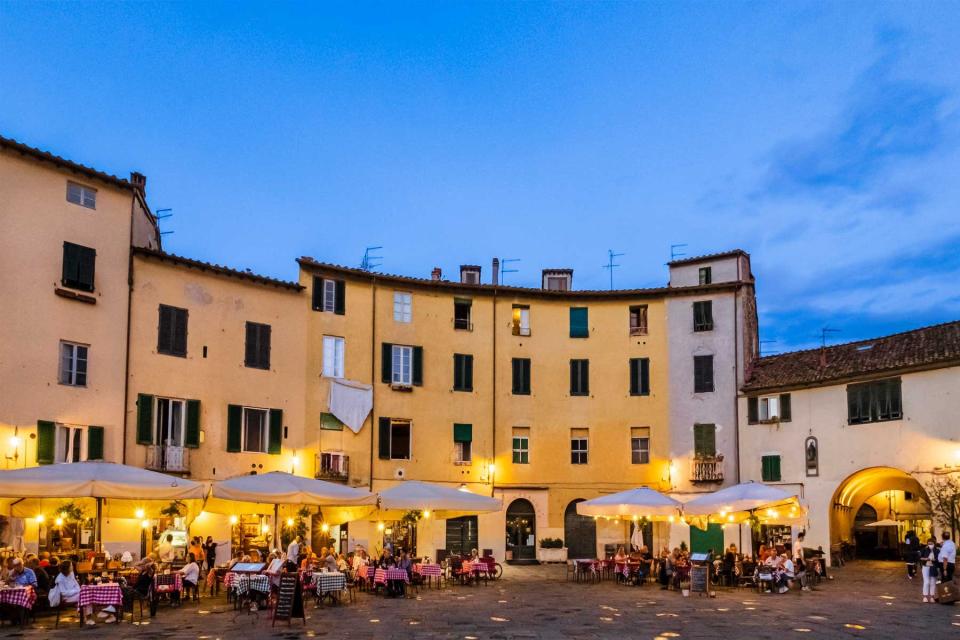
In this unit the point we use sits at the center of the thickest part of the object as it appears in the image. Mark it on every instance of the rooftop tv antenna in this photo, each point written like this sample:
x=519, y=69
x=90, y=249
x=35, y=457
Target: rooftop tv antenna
x=823, y=335
x=167, y=213
x=675, y=251
x=611, y=265
x=368, y=264
x=769, y=353
x=503, y=267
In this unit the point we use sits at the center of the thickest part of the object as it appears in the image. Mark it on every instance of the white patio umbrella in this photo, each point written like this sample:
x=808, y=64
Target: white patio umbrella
x=741, y=502
x=441, y=501
x=125, y=491
x=641, y=502
x=883, y=523
x=263, y=493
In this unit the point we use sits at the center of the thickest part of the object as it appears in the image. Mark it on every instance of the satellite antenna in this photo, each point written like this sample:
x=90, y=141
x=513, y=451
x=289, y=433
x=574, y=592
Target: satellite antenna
x=675, y=251
x=167, y=213
x=823, y=335
x=368, y=264
x=611, y=265
x=503, y=268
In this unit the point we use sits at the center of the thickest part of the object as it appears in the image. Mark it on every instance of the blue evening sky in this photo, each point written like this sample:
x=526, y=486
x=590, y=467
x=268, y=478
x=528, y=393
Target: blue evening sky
x=820, y=137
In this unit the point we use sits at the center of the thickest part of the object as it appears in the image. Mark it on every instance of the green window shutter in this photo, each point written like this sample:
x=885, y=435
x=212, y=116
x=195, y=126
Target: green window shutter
x=192, y=436
x=384, y=443
x=71, y=264
x=386, y=362
x=644, y=376
x=704, y=439
x=776, y=468
x=784, y=407
x=144, y=419
x=46, y=441
x=634, y=376
x=753, y=410
x=468, y=373
x=275, y=442
x=517, y=376
x=234, y=427
x=579, y=322
x=340, y=297
x=418, y=366
x=330, y=422
x=462, y=432
x=94, y=443
x=770, y=468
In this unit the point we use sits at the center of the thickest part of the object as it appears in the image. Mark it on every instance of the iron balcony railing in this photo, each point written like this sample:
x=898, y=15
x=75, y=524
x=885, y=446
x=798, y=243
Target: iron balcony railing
x=168, y=458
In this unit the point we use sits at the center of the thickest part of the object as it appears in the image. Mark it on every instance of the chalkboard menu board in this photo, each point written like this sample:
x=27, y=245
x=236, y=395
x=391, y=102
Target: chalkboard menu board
x=289, y=599
x=699, y=579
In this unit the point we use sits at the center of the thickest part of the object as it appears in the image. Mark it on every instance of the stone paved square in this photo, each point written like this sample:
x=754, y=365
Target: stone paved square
x=866, y=600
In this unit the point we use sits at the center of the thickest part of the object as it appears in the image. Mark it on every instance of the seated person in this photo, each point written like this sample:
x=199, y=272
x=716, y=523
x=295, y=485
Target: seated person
x=43, y=580
x=191, y=572
x=330, y=562
x=620, y=555
x=21, y=575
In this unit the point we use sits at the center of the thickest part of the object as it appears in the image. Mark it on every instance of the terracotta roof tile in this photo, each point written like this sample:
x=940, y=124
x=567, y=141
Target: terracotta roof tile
x=216, y=268
x=90, y=172
x=925, y=348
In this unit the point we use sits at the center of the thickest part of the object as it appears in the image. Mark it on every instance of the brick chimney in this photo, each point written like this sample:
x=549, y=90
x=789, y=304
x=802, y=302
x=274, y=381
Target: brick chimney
x=139, y=181
x=496, y=271
x=436, y=274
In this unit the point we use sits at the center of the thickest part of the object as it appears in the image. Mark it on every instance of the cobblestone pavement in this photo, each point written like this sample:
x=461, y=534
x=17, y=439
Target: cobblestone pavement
x=866, y=600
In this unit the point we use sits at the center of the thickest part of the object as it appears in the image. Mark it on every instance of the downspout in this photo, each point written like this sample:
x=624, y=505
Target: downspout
x=493, y=455
x=736, y=393
x=373, y=370
x=126, y=365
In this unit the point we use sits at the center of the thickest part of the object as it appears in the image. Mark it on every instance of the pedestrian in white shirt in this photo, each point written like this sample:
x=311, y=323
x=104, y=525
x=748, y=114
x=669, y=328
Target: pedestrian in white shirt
x=948, y=556
x=191, y=574
x=293, y=550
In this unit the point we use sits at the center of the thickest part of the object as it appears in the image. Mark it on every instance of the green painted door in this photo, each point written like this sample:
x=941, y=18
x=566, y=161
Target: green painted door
x=702, y=541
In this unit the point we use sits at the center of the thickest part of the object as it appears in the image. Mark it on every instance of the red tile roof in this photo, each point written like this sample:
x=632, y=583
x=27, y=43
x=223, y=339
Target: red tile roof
x=925, y=348
x=709, y=256
x=89, y=172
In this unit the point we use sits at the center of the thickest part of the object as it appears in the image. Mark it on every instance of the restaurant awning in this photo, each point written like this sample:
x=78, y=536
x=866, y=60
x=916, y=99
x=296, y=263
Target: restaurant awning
x=441, y=501
x=632, y=504
x=741, y=502
x=883, y=523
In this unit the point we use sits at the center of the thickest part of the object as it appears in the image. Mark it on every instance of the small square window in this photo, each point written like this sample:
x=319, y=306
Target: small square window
x=706, y=275
x=640, y=445
x=521, y=320
x=82, y=195
x=402, y=307
x=73, y=364
x=521, y=445
x=578, y=447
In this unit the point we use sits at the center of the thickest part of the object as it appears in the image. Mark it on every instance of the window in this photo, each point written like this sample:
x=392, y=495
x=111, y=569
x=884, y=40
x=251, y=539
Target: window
x=702, y=374
x=769, y=409
x=462, y=442
x=329, y=295
x=330, y=422
x=394, y=439
x=169, y=427
x=462, y=535
x=770, y=468
x=79, y=264
x=462, y=372
x=255, y=430
x=703, y=315
x=73, y=364
x=521, y=320
x=521, y=445
x=461, y=314
x=875, y=401
x=579, y=323
x=640, y=445
x=705, y=440
x=521, y=376
x=558, y=283
x=257, y=352
x=579, y=377
x=402, y=365
x=69, y=445
x=333, y=348
x=172, y=331
x=402, y=307
x=81, y=195
x=706, y=275
x=578, y=446
x=639, y=376
x=638, y=320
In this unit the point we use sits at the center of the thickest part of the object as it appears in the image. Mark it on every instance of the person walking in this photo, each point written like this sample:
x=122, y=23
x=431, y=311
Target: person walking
x=911, y=553
x=210, y=549
x=948, y=556
x=930, y=569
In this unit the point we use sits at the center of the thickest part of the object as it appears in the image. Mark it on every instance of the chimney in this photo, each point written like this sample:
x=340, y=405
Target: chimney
x=436, y=274
x=470, y=274
x=139, y=181
x=496, y=271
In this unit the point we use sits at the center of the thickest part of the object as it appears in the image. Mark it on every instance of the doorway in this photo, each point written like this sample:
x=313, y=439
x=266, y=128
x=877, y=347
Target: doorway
x=522, y=530
x=579, y=533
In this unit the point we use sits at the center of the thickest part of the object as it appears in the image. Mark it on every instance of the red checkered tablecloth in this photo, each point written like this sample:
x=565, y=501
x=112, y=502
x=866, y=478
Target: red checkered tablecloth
x=381, y=576
x=475, y=567
x=101, y=594
x=19, y=596
x=167, y=582
x=433, y=570
x=366, y=572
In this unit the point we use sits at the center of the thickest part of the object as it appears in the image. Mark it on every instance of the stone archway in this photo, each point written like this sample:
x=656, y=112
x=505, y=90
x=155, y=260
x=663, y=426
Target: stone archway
x=885, y=493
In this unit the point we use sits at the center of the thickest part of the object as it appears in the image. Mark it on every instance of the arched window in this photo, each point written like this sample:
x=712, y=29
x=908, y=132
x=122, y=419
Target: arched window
x=811, y=453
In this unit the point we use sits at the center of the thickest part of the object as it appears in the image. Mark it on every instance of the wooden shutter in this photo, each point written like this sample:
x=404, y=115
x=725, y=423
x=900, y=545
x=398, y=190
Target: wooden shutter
x=88, y=261
x=784, y=407
x=144, y=419
x=71, y=264
x=418, y=366
x=234, y=427
x=250, y=350
x=46, y=441
x=753, y=410
x=579, y=325
x=462, y=432
x=634, y=376
x=386, y=362
x=517, y=373
x=573, y=378
x=94, y=443
x=644, y=376
x=340, y=297
x=275, y=440
x=585, y=377
x=164, y=330
x=384, y=443
x=192, y=436
x=704, y=439
x=316, y=301
x=527, y=376
x=263, y=352
x=180, y=332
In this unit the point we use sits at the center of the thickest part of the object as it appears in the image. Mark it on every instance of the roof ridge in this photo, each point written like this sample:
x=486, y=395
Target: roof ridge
x=49, y=156
x=225, y=270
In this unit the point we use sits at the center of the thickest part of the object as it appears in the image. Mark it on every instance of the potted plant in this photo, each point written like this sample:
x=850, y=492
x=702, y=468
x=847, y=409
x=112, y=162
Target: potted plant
x=551, y=550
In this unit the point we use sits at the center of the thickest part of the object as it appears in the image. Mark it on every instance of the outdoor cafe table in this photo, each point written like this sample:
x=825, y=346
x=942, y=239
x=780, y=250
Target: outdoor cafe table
x=244, y=582
x=475, y=569
x=103, y=594
x=326, y=581
x=18, y=596
x=428, y=571
x=381, y=576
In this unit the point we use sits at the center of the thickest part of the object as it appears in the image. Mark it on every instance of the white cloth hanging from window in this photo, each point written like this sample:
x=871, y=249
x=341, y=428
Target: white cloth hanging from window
x=350, y=402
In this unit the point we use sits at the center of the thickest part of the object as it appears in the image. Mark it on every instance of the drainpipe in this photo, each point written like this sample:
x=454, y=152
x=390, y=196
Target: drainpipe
x=126, y=364
x=494, y=426
x=373, y=370
x=736, y=392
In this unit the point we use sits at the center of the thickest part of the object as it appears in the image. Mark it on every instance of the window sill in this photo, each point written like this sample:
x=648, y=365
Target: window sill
x=463, y=463
x=170, y=353
x=72, y=386
x=403, y=388
x=635, y=333
x=702, y=329
x=522, y=333
x=72, y=295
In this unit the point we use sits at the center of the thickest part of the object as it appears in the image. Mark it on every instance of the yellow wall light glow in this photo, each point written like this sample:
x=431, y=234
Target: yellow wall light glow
x=426, y=514
x=40, y=518
x=139, y=514
x=380, y=526
x=233, y=519
x=58, y=522
x=325, y=527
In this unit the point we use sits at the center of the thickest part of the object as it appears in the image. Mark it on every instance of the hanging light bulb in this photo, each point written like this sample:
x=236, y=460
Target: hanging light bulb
x=233, y=519
x=58, y=522
x=40, y=518
x=426, y=514
x=669, y=518
x=289, y=522
x=325, y=527
x=730, y=518
x=139, y=514
x=265, y=528
x=380, y=526
x=145, y=524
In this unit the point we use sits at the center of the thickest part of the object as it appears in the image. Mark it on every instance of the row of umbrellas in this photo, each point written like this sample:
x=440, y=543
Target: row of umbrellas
x=735, y=504
x=122, y=491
